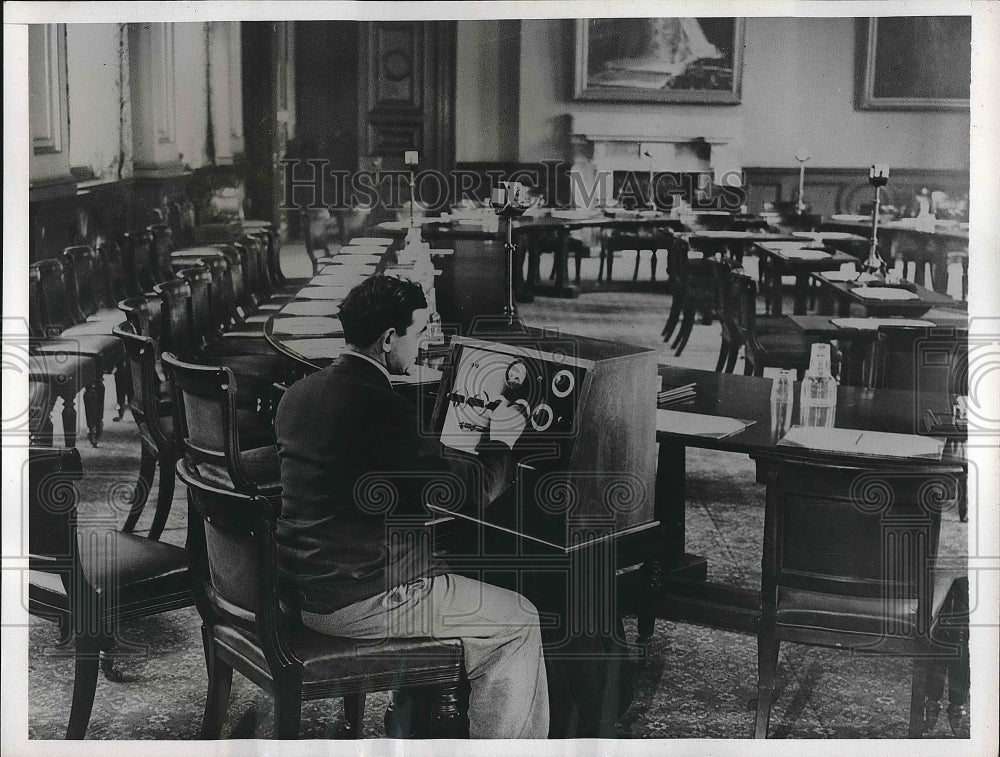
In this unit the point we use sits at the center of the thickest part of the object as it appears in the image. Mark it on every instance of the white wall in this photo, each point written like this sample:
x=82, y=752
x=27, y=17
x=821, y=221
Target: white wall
x=798, y=89
x=191, y=94
x=94, y=74
x=486, y=91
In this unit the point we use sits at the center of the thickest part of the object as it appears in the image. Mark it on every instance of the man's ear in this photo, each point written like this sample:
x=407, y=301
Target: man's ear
x=386, y=340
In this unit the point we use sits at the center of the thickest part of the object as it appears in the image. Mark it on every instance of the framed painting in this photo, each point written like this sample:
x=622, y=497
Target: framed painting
x=669, y=60
x=914, y=63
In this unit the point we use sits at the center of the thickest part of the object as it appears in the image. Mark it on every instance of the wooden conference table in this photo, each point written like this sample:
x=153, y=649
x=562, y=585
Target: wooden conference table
x=839, y=291
x=728, y=400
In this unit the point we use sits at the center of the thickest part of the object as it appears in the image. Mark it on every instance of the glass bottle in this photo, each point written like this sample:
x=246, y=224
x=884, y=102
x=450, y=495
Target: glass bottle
x=781, y=404
x=818, y=398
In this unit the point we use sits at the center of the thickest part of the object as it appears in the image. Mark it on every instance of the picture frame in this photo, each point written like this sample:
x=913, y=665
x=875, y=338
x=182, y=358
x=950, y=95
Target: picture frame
x=913, y=63
x=665, y=60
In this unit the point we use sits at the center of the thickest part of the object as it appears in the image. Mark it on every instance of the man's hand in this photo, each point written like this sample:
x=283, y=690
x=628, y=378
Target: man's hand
x=507, y=422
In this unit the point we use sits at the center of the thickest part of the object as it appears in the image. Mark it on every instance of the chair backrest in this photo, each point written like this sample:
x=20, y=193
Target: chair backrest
x=139, y=261
x=853, y=527
x=924, y=359
x=231, y=542
x=160, y=249
x=140, y=352
x=199, y=279
x=721, y=273
x=176, y=333
x=53, y=306
x=144, y=314
x=257, y=244
x=181, y=219
x=52, y=520
x=115, y=281
x=251, y=273
x=743, y=305
x=82, y=265
x=238, y=300
x=205, y=401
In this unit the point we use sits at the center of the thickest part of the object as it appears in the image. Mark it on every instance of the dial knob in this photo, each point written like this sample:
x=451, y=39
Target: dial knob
x=563, y=383
x=541, y=417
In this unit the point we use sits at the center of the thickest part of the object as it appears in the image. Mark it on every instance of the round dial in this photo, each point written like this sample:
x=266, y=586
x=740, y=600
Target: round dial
x=563, y=383
x=516, y=373
x=541, y=417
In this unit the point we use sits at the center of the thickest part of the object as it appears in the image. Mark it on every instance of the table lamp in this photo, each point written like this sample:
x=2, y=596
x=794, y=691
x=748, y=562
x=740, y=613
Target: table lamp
x=878, y=177
x=802, y=155
x=412, y=158
x=509, y=200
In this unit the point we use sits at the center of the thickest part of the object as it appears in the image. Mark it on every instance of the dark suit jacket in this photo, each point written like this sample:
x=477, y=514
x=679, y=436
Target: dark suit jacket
x=354, y=476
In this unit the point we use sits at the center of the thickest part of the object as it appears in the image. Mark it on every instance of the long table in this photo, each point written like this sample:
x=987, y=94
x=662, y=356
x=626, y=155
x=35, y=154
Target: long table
x=838, y=296
x=685, y=594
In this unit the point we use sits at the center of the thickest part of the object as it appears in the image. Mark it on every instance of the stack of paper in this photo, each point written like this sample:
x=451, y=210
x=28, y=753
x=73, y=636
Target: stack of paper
x=696, y=424
x=312, y=349
x=676, y=395
x=311, y=307
x=876, y=323
x=308, y=325
x=885, y=293
x=853, y=442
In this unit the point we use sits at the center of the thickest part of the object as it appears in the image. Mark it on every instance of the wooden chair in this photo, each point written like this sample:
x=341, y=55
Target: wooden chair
x=90, y=586
x=778, y=349
x=848, y=562
x=692, y=290
x=924, y=359
x=209, y=430
x=64, y=354
x=231, y=539
x=732, y=335
x=153, y=415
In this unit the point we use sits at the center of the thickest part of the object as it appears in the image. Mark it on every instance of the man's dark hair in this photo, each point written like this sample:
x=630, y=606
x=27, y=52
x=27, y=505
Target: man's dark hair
x=376, y=304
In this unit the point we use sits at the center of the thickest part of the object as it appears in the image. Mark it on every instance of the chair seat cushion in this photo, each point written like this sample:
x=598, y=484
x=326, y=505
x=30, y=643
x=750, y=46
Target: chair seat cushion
x=109, y=351
x=100, y=322
x=355, y=665
x=260, y=465
x=132, y=568
x=64, y=370
x=860, y=615
x=785, y=346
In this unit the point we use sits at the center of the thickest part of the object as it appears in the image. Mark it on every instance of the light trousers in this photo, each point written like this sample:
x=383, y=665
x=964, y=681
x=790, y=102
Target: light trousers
x=500, y=636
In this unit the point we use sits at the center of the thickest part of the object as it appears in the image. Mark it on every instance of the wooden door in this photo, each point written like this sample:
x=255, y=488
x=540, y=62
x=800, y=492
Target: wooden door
x=406, y=93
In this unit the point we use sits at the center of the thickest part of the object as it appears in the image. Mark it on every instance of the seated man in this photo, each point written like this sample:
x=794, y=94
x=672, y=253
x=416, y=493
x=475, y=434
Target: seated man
x=345, y=437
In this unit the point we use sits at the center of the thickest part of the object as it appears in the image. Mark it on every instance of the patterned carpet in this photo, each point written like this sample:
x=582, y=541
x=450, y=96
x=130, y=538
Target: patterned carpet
x=695, y=682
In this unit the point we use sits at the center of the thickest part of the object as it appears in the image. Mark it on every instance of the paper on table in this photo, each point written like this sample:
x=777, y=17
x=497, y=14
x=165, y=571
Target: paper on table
x=850, y=217
x=725, y=234
x=696, y=424
x=819, y=236
x=376, y=241
x=311, y=307
x=310, y=349
x=394, y=225
x=864, y=278
x=885, y=293
x=435, y=251
x=784, y=246
x=343, y=278
x=308, y=325
x=370, y=250
x=805, y=254
x=853, y=442
x=323, y=293
x=875, y=323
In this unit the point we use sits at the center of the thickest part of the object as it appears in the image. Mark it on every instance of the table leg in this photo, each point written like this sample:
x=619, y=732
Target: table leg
x=801, y=294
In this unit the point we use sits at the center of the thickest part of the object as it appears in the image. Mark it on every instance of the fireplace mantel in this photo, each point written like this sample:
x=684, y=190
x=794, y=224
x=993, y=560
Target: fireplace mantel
x=602, y=146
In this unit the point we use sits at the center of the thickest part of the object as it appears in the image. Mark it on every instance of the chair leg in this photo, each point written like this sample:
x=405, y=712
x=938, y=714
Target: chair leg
x=147, y=466
x=69, y=419
x=123, y=389
x=287, y=714
x=918, y=689
x=767, y=663
x=638, y=258
x=578, y=260
x=84, y=685
x=220, y=683
x=93, y=410
x=164, y=497
x=685, y=335
x=353, y=723
x=600, y=263
x=445, y=718
x=724, y=351
x=611, y=263
x=686, y=324
x=734, y=355
x=676, y=306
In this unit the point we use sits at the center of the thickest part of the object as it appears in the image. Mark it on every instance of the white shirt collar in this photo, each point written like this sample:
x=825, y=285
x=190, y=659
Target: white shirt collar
x=376, y=363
